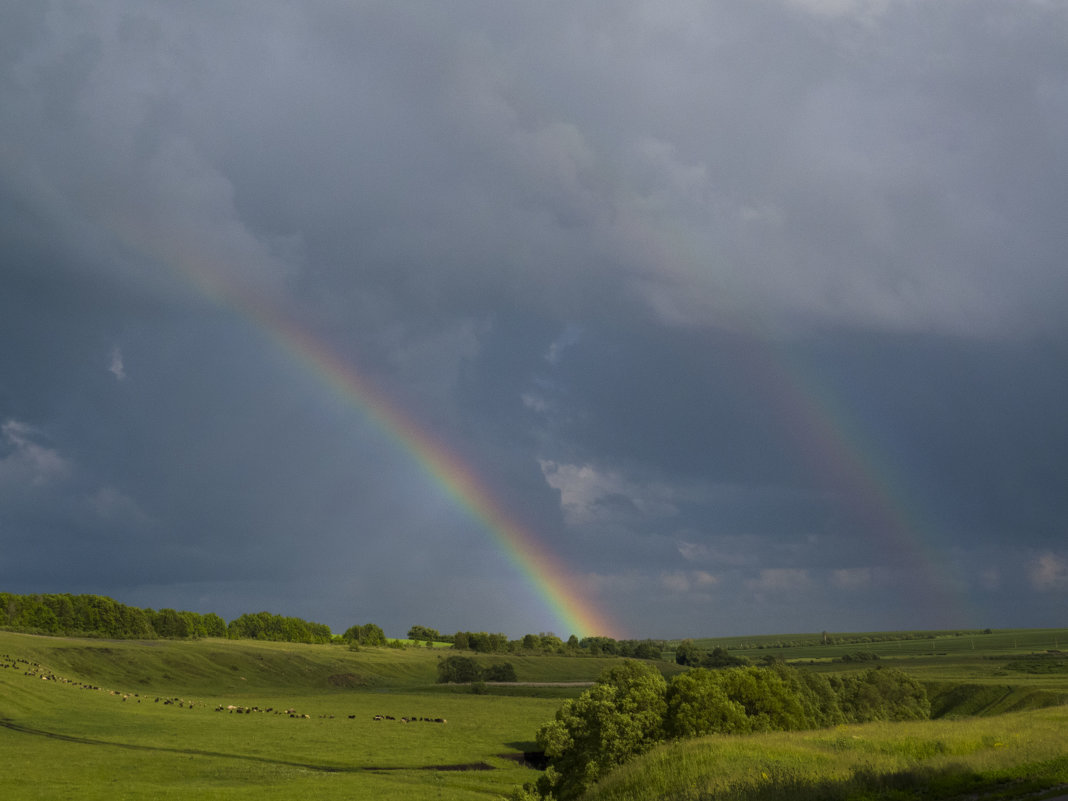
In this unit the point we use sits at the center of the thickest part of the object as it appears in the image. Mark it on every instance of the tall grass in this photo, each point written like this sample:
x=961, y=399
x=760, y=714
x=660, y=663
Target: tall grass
x=1013, y=753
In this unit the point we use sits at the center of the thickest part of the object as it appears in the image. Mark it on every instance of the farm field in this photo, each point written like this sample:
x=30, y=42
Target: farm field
x=114, y=719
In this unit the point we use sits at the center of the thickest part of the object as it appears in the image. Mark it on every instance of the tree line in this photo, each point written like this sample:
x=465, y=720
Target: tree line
x=543, y=643
x=632, y=708
x=100, y=616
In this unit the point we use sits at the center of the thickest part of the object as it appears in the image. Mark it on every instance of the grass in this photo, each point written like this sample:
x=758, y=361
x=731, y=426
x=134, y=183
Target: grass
x=64, y=740
x=1004, y=756
x=59, y=739
x=888, y=645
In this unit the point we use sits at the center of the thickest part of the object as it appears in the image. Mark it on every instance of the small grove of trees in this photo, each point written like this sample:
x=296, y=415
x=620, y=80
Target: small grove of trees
x=689, y=655
x=99, y=616
x=427, y=634
x=463, y=670
x=368, y=634
x=481, y=642
x=277, y=628
x=631, y=708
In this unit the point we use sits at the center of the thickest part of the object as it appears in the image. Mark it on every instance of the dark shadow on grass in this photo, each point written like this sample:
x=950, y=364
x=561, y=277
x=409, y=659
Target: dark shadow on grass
x=7, y=724
x=951, y=782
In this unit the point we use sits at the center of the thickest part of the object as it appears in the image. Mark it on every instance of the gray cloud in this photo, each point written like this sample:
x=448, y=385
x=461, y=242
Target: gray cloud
x=719, y=299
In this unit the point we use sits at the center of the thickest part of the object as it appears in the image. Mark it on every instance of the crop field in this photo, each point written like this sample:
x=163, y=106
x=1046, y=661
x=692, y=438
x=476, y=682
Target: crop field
x=222, y=719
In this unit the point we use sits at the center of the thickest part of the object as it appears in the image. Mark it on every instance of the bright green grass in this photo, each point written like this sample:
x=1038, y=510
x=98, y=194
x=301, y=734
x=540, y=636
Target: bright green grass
x=1009, y=754
x=187, y=752
x=143, y=748
x=125, y=749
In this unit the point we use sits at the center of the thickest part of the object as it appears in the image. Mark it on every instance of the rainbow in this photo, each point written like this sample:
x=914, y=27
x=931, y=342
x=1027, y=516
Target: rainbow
x=544, y=572
x=838, y=450
x=561, y=591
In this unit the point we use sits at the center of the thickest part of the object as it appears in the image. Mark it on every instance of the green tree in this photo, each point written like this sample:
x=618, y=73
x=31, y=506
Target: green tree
x=458, y=670
x=214, y=626
x=688, y=654
x=770, y=703
x=368, y=634
x=423, y=633
x=882, y=694
x=502, y=671
x=697, y=704
x=619, y=717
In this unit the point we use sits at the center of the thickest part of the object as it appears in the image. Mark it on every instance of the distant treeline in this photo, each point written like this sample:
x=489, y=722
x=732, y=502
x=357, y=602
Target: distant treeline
x=99, y=616
x=632, y=708
x=851, y=639
x=544, y=643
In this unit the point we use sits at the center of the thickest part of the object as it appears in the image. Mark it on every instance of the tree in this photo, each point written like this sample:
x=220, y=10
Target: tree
x=502, y=671
x=367, y=634
x=458, y=670
x=619, y=717
x=688, y=654
x=719, y=658
x=882, y=694
x=423, y=633
x=697, y=704
x=214, y=626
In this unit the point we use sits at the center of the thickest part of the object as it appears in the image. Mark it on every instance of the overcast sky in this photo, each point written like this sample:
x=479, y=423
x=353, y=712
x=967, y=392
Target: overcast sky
x=754, y=313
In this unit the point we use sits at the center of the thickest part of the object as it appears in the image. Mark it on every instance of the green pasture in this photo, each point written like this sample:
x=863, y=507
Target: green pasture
x=92, y=727
x=117, y=740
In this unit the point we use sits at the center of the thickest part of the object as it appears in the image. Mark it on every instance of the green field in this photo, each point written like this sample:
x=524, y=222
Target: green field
x=1005, y=756
x=118, y=741
x=117, y=719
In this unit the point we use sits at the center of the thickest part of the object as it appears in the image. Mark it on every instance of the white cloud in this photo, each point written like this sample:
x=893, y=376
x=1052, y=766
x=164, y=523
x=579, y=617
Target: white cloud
x=568, y=337
x=113, y=506
x=28, y=463
x=676, y=581
x=863, y=10
x=1049, y=572
x=116, y=367
x=589, y=495
x=851, y=578
x=780, y=579
x=534, y=402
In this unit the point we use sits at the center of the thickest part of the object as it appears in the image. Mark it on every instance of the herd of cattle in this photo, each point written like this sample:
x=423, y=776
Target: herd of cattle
x=39, y=671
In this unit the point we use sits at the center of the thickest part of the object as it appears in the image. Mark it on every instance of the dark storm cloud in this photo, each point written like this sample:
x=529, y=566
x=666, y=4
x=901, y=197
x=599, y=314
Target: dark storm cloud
x=730, y=302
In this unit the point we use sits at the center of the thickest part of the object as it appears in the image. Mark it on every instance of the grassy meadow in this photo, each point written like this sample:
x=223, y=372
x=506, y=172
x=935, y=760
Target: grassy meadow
x=118, y=741
x=119, y=719
x=1005, y=756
